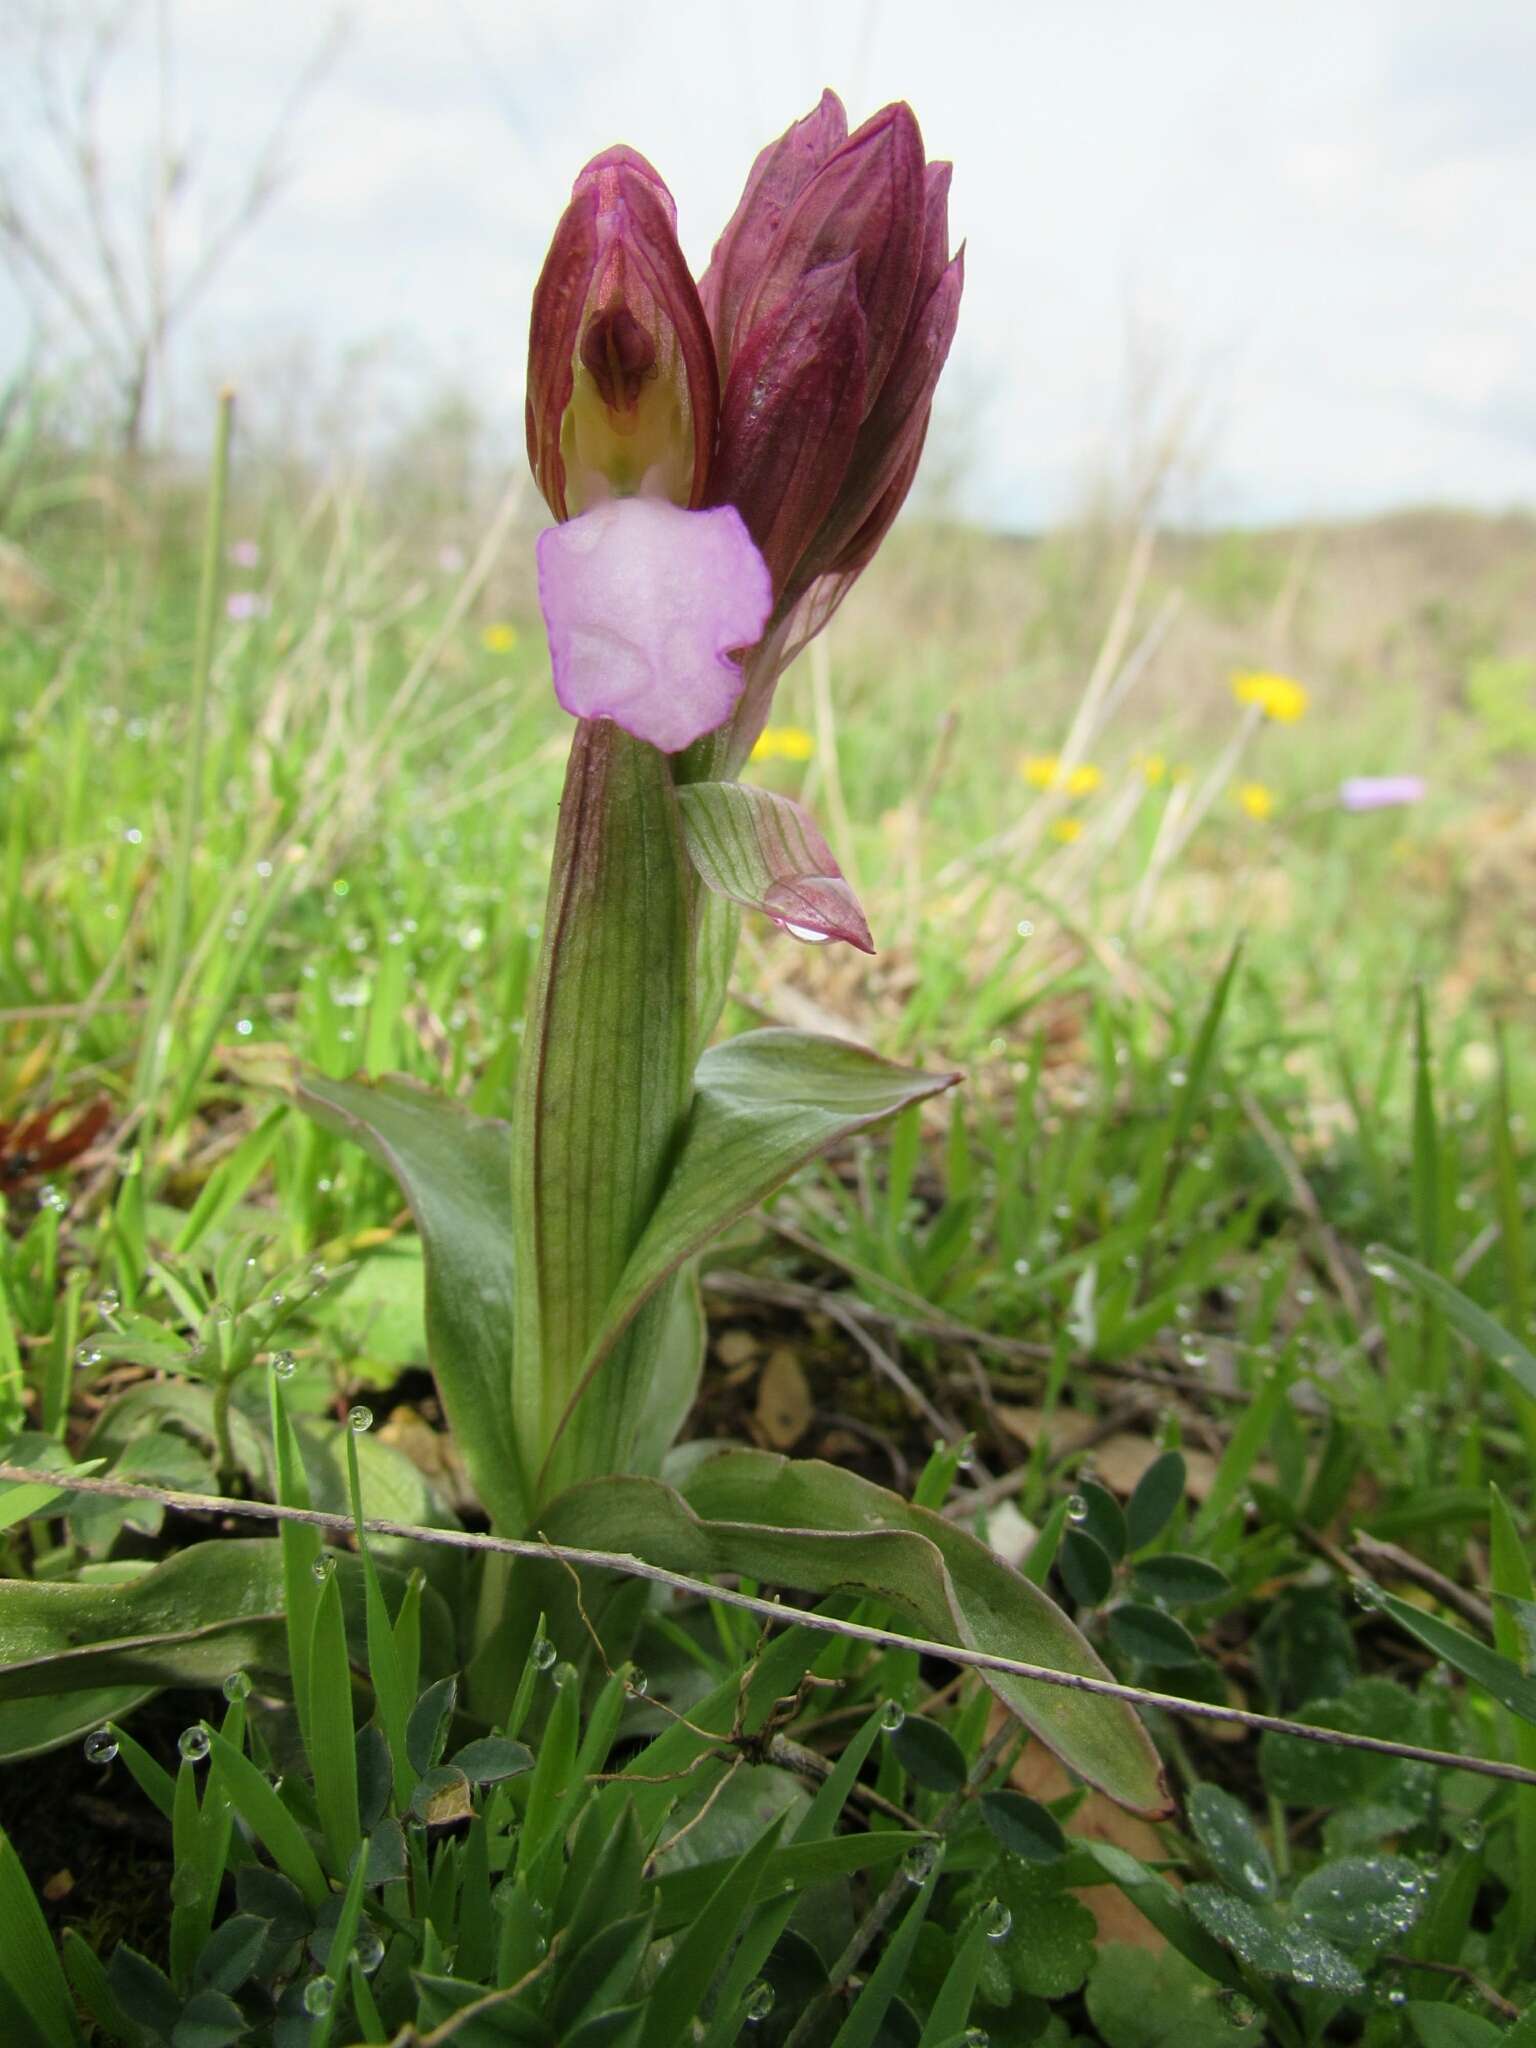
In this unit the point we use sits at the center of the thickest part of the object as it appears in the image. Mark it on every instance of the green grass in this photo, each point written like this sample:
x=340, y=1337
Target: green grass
x=1144, y=1221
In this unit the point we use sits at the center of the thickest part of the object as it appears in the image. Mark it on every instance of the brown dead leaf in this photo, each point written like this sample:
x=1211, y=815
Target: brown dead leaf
x=737, y=1347
x=784, y=1403
x=1118, y=1460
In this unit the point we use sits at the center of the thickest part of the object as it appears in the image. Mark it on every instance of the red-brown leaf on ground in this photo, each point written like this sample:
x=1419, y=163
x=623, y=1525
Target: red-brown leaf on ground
x=29, y=1152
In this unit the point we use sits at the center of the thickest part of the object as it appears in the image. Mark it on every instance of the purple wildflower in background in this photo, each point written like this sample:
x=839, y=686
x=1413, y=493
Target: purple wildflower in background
x=242, y=605
x=245, y=554
x=1380, y=792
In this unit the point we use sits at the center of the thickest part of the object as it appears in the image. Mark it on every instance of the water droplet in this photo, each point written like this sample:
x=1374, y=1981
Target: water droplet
x=222, y=1316
x=996, y=1921
x=86, y=1355
x=975, y=2037
x=50, y=1197
x=367, y=1950
x=100, y=1746
x=1021, y=1267
x=318, y=1276
x=193, y=1743
x=1192, y=1348
x=1306, y=1296
x=1238, y=2010
x=319, y=1996
x=965, y=1454
x=323, y=1566
x=109, y=1303
x=1077, y=1508
x=543, y=1653
x=892, y=1714
x=1025, y=928
x=759, y=2002
x=1367, y=1595
x=563, y=1675
x=918, y=1863
x=804, y=934
x=1470, y=1833
x=237, y=1686
x=1178, y=1077
x=359, y=1420
x=284, y=1364
x=1377, y=1264
x=639, y=1685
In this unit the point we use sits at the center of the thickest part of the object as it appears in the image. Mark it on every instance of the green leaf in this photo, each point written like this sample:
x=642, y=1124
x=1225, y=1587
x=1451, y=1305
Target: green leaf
x=1103, y=1518
x=1085, y=1568
x=209, y=2020
x=453, y=1170
x=806, y=1524
x=330, y=1733
x=1137, y=1999
x=1151, y=1636
x=929, y=1754
x=427, y=1730
x=1051, y=1949
x=31, y=1727
x=203, y=1613
x=1448, y=2026
x=1235, y=1849
x=1362, y=1902
x=765, y=1104
x=29, y=1964
x=861, y=2029
x=1495, y=1674
x=250, y=1793
x=1303, y=1773
x=764, y=852
x=1182, y=1581
x=1270, y=1945
x=679, y=1988
x=1465, y=1317
x=1023, y=1827
x=491, y=1759
x=231, y=1954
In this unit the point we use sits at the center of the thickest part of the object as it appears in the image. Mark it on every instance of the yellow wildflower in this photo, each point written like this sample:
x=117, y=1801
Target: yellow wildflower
x=1040, y=770
x=499, y=638
x=1067, y=830
x=1154, y=768
x=1278, y=697
x=1084, y=779
x=1257, y=800
x=783, y=743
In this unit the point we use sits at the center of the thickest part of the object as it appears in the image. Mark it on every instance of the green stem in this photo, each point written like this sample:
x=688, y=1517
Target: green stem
x=223, y=1443
x=603, y=1087
x=154, y=1045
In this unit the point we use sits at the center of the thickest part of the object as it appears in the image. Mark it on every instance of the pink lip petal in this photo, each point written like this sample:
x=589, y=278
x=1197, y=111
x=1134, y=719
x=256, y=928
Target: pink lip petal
x=644, y=603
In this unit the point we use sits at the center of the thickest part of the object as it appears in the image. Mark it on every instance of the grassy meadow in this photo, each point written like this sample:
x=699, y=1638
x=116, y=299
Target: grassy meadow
x=1242, y=1067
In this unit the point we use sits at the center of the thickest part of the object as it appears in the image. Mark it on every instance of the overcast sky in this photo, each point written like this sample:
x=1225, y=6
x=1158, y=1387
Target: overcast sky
x=1318, y=221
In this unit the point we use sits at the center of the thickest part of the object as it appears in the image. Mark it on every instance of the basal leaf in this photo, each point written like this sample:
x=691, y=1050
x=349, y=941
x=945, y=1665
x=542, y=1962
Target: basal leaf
x=454, y=1170
x=806, y=1524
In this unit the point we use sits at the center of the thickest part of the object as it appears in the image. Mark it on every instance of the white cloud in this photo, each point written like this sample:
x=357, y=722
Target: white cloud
x=1330, y=213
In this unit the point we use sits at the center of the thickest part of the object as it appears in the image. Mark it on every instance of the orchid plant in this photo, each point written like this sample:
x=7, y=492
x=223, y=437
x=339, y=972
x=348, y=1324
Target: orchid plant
x=722, y=460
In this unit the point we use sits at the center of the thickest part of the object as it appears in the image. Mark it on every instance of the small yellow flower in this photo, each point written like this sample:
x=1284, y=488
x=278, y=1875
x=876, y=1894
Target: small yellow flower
x=1278, y=697
x=1256, y=799
x=1066, y=830
x=784, y=743
x=499, y=638
x=1154, y=769
x=1040, y=770
x=1083, y=780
